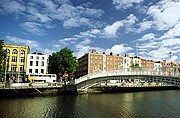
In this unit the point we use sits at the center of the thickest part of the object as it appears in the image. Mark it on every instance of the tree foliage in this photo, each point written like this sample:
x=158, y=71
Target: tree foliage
x=2, y=56
x=62, y=61
x=135, y=65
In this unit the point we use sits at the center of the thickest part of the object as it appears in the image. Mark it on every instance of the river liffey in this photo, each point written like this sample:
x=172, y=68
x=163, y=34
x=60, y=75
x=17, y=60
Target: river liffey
x=149, y=104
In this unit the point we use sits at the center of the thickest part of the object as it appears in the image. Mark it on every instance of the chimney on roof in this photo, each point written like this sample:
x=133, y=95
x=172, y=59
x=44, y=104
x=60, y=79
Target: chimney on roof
x=126, y=55
x=93, y=50
x=36, y=51
x=111, y=53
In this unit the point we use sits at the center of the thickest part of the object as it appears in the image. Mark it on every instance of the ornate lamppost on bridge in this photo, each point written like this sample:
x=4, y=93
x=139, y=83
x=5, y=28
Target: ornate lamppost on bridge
x=170, y=53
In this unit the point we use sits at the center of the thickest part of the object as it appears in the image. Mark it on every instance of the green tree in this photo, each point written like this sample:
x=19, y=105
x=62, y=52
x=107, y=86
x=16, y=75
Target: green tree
x=2, y=56
x=135, y=65
x=62, y=61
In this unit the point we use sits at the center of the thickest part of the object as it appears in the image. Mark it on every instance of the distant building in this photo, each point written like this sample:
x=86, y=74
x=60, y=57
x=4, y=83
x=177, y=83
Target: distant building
x=37, y=63
x=95, y=63
x=92, y=63
x=16, y=61
x=158, y=66
x=150, y=65
x=126, y=63
x=143, y=63
x=17, y=57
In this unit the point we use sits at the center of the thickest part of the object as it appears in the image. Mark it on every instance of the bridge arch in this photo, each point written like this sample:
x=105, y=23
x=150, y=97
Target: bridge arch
x=89, y=81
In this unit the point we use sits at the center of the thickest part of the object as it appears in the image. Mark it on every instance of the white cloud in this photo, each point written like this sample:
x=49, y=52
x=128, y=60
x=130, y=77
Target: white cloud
x=35, y=15
x=69, y=39
x=77, y=16
x=171, y=42
x=165, y=14
x=71, y=23
x=111, y=30
x=119, y=49
x=172, y=33
x=33, y=28
x=16, y=40
x=46, y=11
x=145, y=25
x=147, y=37
x=124, y=4
x=8, y=6
x=159, y=54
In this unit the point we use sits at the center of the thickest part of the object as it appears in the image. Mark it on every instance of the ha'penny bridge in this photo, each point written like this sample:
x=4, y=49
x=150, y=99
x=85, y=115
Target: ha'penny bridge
x=150, y=79
x=163, y=78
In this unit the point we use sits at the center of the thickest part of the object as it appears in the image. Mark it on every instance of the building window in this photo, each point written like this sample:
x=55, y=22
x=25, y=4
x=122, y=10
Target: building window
x=91, y=67
x=107, y=68
x=22, y=59
x=100, y=57
x=42, y=63
x=95, y=62
x=111, y=63
x=42, y=70
x=100, y=62
x=22, y=52
x=111, y=68
x=31, y=63
x=13, y=67
x=95, y=67
x=37, y=57
x=107, y=63
x=100, y=67
x=118, y=59
x=8, y=51
x=21, y=67
x=95, y=57
x=37, y=63
x=107, y=58
x=14, y=59
x=30, y=70
x=42, y=58
x=14, y=51
x=91, y=61
x=36, y=70
x=91, y=56
x=110, y=58
x=31, y=57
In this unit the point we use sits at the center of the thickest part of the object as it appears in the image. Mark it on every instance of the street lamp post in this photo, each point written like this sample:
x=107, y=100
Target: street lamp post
x=170, y=53
x=6, y=64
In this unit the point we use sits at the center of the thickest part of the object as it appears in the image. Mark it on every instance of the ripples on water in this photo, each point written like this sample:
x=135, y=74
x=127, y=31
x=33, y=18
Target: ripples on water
x=107, y=105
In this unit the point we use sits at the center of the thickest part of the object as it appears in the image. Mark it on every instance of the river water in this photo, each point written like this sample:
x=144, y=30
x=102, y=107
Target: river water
x=148, y=104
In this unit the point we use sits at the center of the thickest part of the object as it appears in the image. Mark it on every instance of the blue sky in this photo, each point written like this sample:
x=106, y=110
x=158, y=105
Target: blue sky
x=118, y=26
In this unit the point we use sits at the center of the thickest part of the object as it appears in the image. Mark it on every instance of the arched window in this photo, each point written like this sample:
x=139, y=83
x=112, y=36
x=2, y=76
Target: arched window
x=14, y=51
x=8, y=51
x=22, y=52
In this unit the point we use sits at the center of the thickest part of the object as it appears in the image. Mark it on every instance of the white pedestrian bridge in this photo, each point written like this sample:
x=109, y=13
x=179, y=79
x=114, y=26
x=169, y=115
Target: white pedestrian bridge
x=86, y=81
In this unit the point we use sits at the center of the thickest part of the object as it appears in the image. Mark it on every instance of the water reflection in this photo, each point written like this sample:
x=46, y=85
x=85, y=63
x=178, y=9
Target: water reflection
x=136, y=104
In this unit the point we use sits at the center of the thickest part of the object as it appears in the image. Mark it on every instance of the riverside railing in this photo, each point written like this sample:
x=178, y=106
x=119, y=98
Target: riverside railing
x=30, y=85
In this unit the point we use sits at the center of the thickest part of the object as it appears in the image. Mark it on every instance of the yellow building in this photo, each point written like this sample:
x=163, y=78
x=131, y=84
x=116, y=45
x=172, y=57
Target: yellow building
x=17, y=57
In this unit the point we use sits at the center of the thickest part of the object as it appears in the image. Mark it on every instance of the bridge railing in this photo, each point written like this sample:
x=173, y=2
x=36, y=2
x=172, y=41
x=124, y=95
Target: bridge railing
x=114, y=73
